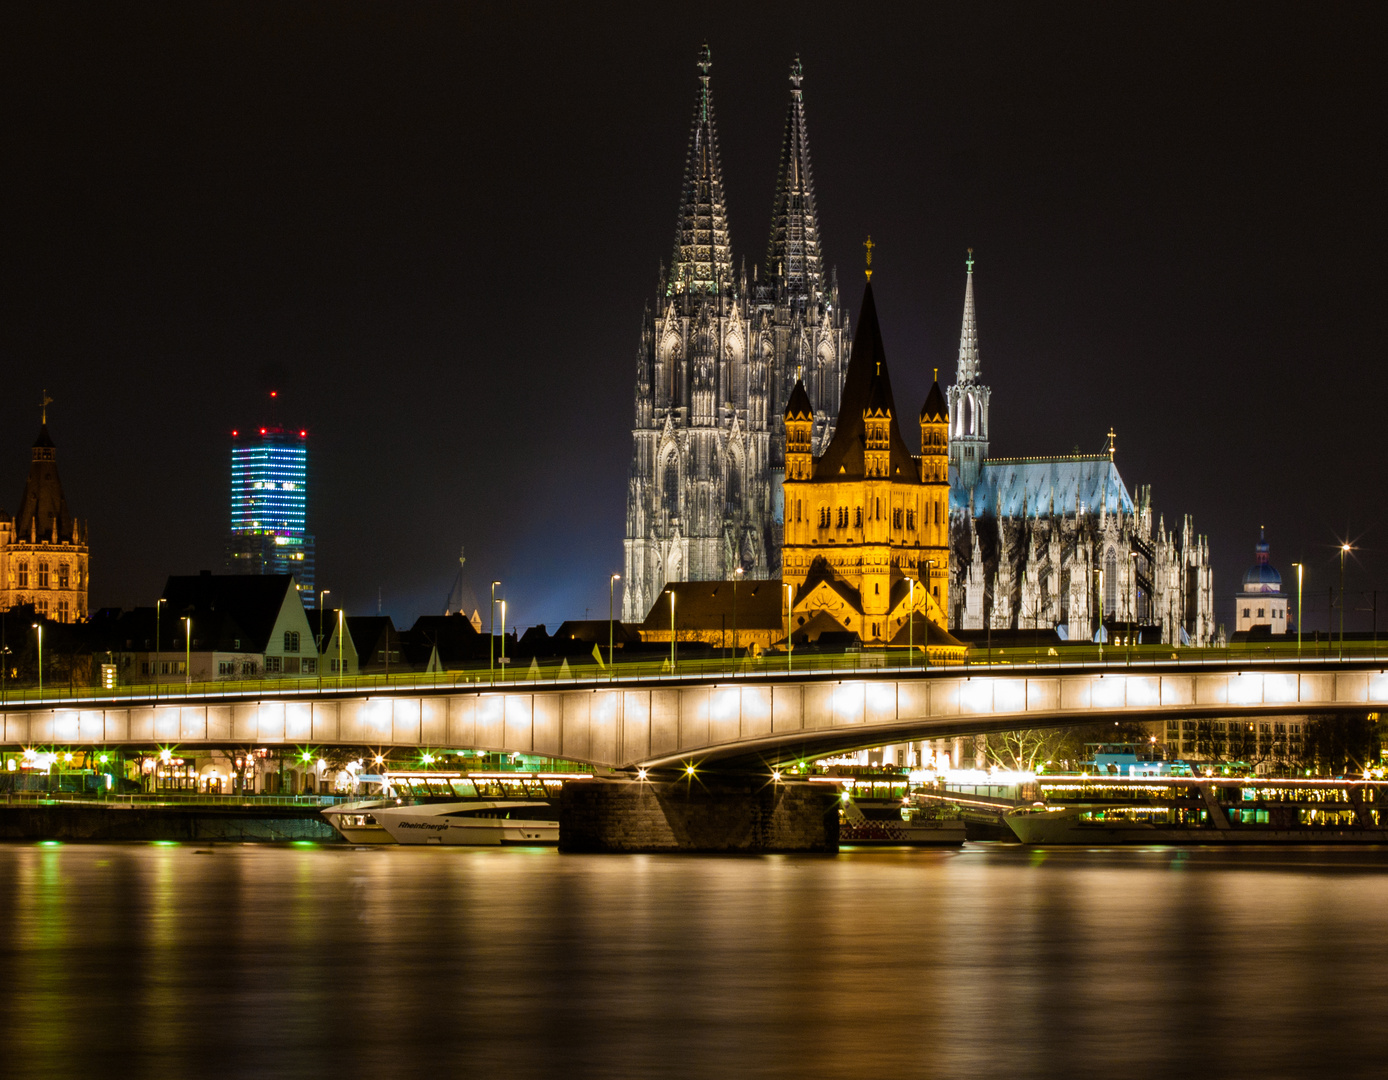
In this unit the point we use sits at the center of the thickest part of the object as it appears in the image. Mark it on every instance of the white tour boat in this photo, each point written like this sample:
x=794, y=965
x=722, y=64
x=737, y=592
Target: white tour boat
x=472, y=823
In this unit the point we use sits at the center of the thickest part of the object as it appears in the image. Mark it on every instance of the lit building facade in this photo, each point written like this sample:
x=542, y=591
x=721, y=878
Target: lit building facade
x=719, y=353
x=867, y=522
x=43, y=548
x=1261, y=602
x=269, y=507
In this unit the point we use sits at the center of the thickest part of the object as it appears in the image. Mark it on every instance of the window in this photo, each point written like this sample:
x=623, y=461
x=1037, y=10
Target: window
x=670, y=486
x=247, y=667
x=41, y=607
x=823, y=517
x=62, y=611
x=1260, y=613
x=857, y=517
x=291, y=641
x=272, y=665
x=226, y=667
x=310, y=666
x=62, y=576
x=1245, y=613
x=43, y=575
x=1110, y=581
x=22, y=576
x=144, y=667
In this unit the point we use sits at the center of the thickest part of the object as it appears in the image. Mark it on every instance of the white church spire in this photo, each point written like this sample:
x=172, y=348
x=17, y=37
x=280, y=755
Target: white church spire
x=968, y=398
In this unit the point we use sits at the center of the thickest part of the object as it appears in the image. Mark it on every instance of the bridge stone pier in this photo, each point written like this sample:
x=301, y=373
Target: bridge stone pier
x=698, y=814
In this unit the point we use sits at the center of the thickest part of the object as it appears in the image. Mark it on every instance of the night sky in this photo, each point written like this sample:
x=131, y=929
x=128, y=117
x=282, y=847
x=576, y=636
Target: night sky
x=433, y=228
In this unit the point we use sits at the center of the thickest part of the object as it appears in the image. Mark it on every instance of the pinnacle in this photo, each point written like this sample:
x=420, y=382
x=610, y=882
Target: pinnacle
x=702, y=260
x=968, y=333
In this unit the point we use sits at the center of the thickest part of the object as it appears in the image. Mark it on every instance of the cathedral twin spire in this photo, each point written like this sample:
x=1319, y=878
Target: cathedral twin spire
x=703, y=258
x=968, y=332
x=702, y=261
x=793, y=258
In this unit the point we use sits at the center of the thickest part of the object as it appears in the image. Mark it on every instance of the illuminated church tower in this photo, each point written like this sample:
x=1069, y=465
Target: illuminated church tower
x=43, y=548
x=717, y=359
x=968, y=398
x=867, y=522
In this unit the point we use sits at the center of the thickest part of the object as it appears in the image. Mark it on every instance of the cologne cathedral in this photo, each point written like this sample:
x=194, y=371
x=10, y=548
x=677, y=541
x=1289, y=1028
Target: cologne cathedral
x=719, y=355
x=1058, y=543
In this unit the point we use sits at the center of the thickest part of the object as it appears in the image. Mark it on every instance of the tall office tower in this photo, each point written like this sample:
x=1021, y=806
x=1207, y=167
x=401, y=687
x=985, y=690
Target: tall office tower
x=269, y=506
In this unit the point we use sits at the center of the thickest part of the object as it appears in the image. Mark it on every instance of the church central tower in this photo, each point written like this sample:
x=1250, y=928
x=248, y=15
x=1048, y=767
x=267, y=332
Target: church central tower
x=716, y=363
x=968, y=398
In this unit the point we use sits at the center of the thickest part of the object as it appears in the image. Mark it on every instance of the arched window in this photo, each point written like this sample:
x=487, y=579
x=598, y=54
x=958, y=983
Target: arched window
x=1110, y=581
x=670, y=487
x=733, y=489
x=968, y=414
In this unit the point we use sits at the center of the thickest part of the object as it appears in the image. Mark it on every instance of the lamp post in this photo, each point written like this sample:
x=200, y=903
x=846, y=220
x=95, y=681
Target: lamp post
x=188, y=652
x=1343, y=549
x=790, y=645
x=502, y=601
x=672, y=630
x=611, y=645
x=929, y=574
x=911, y=624
x=339, y=648
x=319, y=649
x=155, y=671
x=737, y=576
x=1100, y=575
x=1299, y=569
x=39, y=628
x=491, y=633
x=1132, y=615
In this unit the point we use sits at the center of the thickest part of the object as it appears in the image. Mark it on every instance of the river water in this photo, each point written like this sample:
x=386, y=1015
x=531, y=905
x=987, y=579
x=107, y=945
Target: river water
x=992, y=961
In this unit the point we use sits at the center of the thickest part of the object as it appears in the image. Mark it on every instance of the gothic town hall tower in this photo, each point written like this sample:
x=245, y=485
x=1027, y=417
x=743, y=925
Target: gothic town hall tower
x=718, y=358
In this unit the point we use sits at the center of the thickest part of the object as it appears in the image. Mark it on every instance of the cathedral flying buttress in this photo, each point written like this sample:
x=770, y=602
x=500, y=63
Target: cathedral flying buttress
x=1058, y=543
x=719, y=355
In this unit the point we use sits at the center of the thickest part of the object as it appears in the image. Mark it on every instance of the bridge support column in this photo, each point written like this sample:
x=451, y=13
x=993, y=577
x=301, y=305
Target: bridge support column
x=697, y=815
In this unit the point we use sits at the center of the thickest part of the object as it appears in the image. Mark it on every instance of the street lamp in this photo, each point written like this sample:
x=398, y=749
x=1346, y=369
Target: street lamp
x=611, y=645
x=911, y=624
x=1299, y=569
x=1100, y=575
x=1132, y=615
x=188, y=652
x=155, y=671
x=737, y=576
x=319, y=650
x=503, y=637
x=39, y=628
x=491, y=633
x=790, y=645
x=1344, y=548
x=339, y=649
x=672, y=630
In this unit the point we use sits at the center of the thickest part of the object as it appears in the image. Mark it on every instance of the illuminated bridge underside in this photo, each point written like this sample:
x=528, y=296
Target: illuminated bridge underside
x=709, y=723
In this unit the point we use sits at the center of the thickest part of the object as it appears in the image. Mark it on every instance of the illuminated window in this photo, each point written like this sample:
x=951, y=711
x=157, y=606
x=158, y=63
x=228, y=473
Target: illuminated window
x=22, y=576
x=43, y=575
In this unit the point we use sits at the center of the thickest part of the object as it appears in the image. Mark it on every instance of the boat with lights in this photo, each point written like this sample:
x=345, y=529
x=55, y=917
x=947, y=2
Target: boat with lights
x=895, y=825
x=1202, y=810
x=356, y=821
x=472, y=823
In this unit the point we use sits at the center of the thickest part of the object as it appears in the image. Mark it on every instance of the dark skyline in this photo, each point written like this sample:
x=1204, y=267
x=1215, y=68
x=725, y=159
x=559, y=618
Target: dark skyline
x=433, y=231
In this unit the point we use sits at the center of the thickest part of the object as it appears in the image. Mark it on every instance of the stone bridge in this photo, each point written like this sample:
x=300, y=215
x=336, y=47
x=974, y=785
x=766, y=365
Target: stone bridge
x=715, y=722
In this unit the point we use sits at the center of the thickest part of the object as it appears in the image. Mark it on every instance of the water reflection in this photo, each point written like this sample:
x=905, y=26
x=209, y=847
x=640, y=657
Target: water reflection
x=992, y=961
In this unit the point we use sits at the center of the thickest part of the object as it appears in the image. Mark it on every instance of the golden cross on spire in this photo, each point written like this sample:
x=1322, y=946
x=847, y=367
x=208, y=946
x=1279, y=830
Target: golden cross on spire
x=43, y=406
x=1111, y=445
x=869, y=245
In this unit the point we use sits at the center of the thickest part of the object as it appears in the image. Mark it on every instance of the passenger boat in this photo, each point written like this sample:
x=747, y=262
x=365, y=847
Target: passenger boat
x=895, y=825
x=472, y=823
x=356, y=821
x=1203, y=810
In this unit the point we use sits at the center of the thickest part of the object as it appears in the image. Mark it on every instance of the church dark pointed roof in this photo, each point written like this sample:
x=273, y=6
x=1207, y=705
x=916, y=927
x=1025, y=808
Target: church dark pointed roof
x=793, y=258
x=703, y=259
x=799, y=407
x=42, y=502
x=866, y=385
x=935, y=408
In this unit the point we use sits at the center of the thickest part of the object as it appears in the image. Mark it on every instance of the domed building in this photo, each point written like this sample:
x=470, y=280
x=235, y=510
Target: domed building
x=1261, y=602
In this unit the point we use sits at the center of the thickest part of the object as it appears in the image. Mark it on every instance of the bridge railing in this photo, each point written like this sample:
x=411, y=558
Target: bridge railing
x=769, y=665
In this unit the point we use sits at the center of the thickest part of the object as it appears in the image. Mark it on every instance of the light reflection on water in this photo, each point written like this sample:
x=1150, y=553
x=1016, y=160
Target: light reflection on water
x=991, y=961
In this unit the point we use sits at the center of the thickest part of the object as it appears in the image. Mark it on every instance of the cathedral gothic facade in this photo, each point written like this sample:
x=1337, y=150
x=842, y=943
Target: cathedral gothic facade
x=718, y=357
x=1058, y=543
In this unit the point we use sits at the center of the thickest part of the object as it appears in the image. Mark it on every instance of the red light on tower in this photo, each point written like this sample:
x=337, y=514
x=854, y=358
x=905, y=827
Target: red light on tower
x=262, y=431
x=274, y=393
x=234, y=434
x=303, y=434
